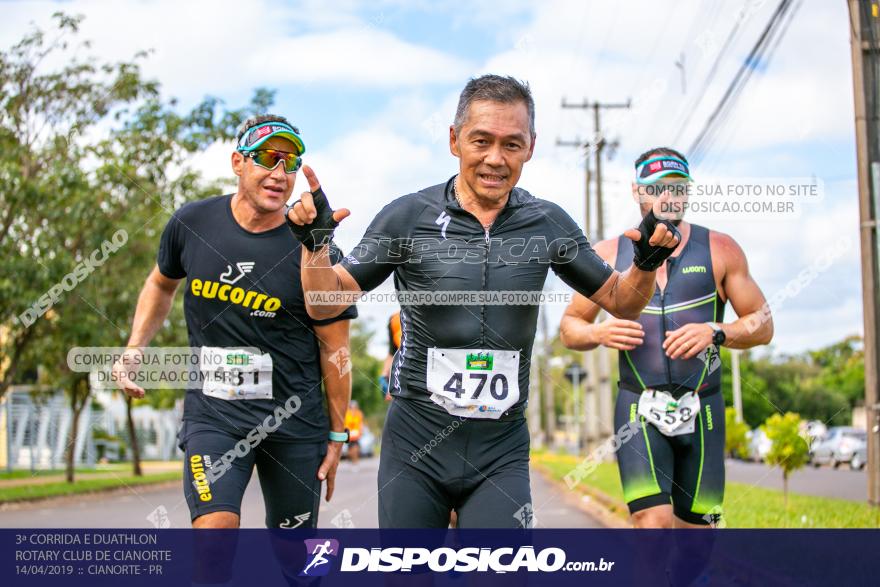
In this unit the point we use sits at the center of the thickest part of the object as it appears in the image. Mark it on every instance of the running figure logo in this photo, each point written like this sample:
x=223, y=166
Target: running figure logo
x=318, y=550
x=300, y=520
x=243, y=267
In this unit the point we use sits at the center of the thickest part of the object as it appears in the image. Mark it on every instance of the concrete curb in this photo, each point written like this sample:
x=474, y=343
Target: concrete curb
x=590, y=500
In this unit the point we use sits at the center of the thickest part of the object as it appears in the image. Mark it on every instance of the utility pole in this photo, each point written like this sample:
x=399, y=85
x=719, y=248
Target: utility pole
x=574, y=373
x=596, y=363
x=534, y=404
x=589, y=362
x=865, y=33
x=579, y=144
x=597, y=145
x=737, y=388
x=547, y=399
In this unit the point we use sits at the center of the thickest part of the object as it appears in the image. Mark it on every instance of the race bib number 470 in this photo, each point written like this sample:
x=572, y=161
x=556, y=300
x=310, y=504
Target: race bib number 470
x=236, y=374
x=473, y=383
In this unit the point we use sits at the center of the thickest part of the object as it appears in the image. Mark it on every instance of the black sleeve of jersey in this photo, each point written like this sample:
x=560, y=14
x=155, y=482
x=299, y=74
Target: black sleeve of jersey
x=171, y=249
x=350, y=313
x=383, y=247
x=574, y=260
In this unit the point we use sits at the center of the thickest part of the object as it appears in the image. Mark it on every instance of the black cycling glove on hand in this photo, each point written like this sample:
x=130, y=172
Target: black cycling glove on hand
x=649, y=257
x=320, y=231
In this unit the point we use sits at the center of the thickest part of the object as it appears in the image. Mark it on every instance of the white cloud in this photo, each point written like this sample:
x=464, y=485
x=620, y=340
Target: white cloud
x=363, y=56
x=600, y=50
x=229, y=47
x=802, y=100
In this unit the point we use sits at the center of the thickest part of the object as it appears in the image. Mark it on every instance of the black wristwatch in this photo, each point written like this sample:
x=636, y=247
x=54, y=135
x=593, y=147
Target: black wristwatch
x=718, y=337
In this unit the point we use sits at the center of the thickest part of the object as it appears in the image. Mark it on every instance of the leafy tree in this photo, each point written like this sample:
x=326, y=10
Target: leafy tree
x=757, y=405
x=736, y=442
x=843, y=368
x=815, y=401
x=42, y=226
x=90, y=153
x=365, y=371
x=789, y=450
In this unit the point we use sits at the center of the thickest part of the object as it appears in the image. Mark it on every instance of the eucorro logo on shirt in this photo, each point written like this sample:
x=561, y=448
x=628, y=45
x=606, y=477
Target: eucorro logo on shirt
x=261, y=304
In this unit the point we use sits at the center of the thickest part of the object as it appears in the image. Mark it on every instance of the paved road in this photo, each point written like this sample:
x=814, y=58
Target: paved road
x=354, y=504
x=825, y=481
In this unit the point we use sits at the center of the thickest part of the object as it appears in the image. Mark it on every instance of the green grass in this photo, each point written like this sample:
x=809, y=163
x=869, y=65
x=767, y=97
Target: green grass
x=26, y=474
x=745, y=506
x=39, y=491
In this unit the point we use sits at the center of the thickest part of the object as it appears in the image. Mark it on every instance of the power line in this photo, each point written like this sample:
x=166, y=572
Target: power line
x=707, y=81
x=599, y=54
x=725, y=107
x=779, y=35
x=728, y=100
x=598, y=145
x=653, y=51
x=599, y=382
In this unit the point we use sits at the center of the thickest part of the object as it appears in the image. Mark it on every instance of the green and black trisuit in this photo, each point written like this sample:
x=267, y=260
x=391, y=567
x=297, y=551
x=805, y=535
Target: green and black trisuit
x=686, y=470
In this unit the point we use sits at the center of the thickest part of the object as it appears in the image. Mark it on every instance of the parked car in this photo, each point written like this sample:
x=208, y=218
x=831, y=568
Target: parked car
x=815, y=430
x=838, y=446
x=859, y=458
x=759, y=445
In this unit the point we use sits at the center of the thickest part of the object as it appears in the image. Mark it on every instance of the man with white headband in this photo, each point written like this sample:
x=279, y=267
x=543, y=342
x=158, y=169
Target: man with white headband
x=670, y=409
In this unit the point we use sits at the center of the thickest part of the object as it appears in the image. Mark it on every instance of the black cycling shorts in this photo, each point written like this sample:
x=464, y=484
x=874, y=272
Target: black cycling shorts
x=686, y=471
x=432, y=463
x=288, y=475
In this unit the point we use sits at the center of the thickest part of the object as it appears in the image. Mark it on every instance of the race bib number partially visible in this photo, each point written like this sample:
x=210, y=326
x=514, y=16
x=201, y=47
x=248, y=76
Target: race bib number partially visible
x=473, y=383
x=670, y=416
x=236, y=374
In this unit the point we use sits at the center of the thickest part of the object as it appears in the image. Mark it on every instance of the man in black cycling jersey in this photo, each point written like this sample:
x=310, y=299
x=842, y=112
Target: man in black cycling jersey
x=243, y=290
x=455, y=436
x=672, y=466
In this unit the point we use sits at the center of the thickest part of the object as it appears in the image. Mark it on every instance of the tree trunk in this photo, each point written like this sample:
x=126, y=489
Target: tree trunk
x=70, y=456
x=79, y=395
x=71, y=448
x=785, y=489
x=18, y=348
x=132, y=434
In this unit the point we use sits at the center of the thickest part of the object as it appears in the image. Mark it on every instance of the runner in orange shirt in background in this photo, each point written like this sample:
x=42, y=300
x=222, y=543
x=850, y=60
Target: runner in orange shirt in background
x=394, y=334
x=354, y=423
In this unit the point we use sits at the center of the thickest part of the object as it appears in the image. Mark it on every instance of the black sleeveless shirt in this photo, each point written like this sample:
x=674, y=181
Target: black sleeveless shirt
x=690, y=296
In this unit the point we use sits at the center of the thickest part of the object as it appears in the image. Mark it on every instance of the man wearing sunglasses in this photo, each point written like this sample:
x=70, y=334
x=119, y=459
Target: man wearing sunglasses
x=260, y=403
x=670, y=409
x=455, y=437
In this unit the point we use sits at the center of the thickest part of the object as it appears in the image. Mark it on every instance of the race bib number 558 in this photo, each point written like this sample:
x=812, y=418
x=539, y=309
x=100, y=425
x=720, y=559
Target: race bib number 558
x=670, y=416
x=473, y=383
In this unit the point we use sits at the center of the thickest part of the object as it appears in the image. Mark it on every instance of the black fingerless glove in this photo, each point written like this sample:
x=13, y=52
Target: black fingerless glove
x=320, y=231
x=648, y=257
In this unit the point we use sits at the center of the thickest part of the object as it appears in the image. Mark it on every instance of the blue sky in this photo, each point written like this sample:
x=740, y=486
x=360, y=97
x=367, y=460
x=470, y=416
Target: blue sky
x=374, y=85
